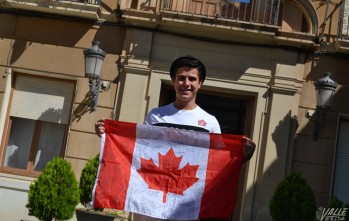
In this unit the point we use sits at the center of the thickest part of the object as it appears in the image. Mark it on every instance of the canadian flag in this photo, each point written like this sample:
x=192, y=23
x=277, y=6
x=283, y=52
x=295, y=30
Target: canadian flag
x=168, y=173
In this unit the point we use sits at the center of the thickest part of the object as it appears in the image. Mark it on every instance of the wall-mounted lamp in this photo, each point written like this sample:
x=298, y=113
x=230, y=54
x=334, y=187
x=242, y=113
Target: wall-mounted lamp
x=325, y=88
x=94, y=57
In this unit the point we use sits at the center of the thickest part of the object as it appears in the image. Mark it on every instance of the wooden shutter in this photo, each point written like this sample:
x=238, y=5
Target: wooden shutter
x=42, y=99
x=341, y=178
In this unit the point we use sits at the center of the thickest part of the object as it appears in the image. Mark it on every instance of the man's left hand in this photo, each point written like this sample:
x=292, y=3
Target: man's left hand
x=248, y=148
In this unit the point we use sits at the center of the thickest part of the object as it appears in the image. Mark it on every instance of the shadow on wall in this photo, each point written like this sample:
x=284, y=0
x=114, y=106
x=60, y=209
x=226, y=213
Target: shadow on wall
x=146, y=6
x=55, y=115
x=51, y=32
x=84, y=107
x=18, y=49
x=62, y=33
x=283, y=137
x=315, y=159
x=293, y=138
x=278, y=164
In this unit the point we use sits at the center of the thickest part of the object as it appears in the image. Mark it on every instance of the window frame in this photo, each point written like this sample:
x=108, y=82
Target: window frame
x=346, y=120
x=29, y=171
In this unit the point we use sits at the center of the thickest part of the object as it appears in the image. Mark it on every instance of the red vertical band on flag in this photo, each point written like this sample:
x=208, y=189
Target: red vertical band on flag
x=115, y=169
x=223, y=169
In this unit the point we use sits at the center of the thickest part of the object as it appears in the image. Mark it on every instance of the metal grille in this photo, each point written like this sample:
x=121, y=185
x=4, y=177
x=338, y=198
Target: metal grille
x=343, y=31
x=90, y=2
x=257, y=11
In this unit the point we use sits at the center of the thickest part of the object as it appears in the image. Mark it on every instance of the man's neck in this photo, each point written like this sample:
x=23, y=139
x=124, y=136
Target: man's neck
x=185, y=105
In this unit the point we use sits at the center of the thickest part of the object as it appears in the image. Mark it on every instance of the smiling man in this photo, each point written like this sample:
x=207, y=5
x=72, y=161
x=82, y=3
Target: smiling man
x=187, y=75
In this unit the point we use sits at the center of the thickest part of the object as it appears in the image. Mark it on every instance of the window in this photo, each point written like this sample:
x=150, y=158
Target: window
x=341, y=172
x=37, y=127
x=294, y=20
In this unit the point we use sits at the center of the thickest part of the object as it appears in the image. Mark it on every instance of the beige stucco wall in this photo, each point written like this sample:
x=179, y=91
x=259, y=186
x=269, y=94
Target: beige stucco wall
x=315, y=159
x=53, y=48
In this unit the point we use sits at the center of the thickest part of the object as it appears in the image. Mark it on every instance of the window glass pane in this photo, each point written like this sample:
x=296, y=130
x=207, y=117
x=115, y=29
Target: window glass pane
x=341, y=174
x=50, y=144
x=20, y=141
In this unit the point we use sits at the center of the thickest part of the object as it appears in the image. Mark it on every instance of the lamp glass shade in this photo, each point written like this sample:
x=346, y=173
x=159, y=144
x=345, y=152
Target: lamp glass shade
x=324, y=97
x=93, y=66
x=325, y=88
x=94, y=57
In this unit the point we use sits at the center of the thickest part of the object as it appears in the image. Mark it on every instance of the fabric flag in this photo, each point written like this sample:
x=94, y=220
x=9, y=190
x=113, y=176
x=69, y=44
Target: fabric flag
x=168, y=173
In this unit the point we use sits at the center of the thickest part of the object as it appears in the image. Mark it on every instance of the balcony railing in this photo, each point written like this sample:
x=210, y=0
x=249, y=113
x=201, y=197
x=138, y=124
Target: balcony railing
x=253, y=11
x=91, y=2
x=343, y=29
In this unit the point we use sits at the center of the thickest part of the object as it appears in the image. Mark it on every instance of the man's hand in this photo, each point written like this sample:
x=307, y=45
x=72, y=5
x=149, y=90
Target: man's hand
x=248, y=148
x=99, y=127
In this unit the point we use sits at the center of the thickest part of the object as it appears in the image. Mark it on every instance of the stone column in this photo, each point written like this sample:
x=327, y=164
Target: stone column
x=131, y=98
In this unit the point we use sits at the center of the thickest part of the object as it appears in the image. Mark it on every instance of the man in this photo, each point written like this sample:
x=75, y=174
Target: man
x=187, y=75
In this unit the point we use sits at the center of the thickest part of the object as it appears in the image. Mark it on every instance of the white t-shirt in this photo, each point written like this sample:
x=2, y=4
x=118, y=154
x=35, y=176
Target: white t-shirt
x=196, y=119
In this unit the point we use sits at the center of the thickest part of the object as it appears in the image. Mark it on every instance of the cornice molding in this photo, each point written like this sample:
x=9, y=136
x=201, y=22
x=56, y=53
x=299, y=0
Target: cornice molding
x=64, y=8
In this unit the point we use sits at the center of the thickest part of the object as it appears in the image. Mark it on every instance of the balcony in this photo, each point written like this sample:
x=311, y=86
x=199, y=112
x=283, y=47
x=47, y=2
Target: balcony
x=343, y=33
x=262, y=12
x=84, y=9
x=342, y=41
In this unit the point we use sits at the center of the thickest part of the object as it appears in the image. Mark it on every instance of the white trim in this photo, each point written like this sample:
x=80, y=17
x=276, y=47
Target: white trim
x=5, y=100
x=46, y=74
x=13, y=181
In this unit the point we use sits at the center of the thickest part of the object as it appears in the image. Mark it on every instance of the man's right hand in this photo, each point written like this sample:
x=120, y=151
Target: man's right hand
x=99, y=127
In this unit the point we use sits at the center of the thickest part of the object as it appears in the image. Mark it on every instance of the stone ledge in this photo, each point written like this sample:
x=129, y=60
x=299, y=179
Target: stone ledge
x=66, y=8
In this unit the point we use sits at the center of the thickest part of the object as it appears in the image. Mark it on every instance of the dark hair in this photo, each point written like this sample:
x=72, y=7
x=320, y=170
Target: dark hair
x=190, y=62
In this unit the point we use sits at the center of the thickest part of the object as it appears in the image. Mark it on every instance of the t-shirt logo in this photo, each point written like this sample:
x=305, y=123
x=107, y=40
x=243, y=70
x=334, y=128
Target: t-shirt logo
x=202, y=123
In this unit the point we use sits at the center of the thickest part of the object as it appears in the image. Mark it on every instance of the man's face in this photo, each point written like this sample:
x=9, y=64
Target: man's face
x=186, y=83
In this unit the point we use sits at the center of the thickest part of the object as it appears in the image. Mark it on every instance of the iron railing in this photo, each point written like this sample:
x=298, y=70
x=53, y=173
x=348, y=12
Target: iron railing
x=255, y=11
x=90, y=2
x=343, y=29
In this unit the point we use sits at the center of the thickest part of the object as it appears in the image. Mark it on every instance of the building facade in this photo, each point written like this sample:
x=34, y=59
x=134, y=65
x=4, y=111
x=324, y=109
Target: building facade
x=262, y=59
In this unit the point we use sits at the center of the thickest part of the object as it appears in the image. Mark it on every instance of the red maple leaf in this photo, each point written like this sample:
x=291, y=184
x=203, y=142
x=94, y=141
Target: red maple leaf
x=167, y=177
